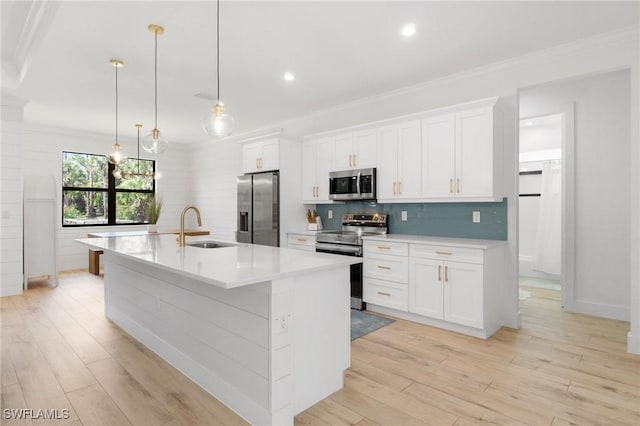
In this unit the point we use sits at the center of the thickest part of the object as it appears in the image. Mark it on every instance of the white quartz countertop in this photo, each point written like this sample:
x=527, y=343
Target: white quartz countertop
x=227, y=267
x=441, y=241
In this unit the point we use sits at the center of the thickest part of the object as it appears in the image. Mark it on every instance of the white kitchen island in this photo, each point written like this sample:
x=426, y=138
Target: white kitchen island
x=265, y=330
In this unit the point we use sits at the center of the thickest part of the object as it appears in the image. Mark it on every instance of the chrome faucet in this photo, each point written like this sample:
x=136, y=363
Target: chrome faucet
x=181, y=237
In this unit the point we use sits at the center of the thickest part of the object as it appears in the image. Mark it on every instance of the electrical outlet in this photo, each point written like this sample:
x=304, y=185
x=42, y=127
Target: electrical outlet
x=476, y=217
x=403, y=216
x=330, y=214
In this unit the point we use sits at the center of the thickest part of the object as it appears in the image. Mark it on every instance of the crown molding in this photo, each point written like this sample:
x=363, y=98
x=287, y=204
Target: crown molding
x=29, y=23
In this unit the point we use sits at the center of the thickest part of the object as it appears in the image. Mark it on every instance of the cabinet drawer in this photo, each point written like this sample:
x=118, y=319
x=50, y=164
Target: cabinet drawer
x=457, y=254
x=383, y=247
x=301, y=247
x=387, y=267
x=301, y=240
x=385, y=293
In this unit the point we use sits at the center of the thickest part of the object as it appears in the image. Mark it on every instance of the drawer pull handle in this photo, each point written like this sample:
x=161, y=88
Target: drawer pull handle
x=439, y=272
x=448, y=253
x=384, y=267
x=446, y=274
x=384, y=294
x=384, y=248
x=302, y=240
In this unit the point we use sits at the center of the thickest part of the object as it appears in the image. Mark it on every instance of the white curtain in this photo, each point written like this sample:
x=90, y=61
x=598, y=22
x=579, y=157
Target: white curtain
x=547, y=256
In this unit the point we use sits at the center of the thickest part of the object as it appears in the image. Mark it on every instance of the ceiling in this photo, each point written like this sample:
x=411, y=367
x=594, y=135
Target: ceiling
x=339, y=52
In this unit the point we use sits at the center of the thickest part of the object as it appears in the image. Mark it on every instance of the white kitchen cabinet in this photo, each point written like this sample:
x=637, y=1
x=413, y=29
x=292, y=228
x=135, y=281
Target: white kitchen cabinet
x=449, y=291
x=386, y=274
x=358, y=150
x=462, y=156
x=261, y=156
x=317, y=162
x=304, y=242
x=399, y=162
x=452, y=283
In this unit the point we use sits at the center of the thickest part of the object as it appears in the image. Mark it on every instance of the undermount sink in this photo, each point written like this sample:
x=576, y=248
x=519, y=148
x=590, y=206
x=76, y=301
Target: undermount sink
x=209, y=244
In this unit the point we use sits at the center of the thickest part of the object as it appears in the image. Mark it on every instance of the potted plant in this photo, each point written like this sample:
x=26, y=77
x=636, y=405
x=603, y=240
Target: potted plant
x=154, y=208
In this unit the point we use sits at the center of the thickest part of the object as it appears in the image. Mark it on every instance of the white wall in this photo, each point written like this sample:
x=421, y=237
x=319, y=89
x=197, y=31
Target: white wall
x=11, y=278
x=42, y=156
x=602, y=186
x=216, y=165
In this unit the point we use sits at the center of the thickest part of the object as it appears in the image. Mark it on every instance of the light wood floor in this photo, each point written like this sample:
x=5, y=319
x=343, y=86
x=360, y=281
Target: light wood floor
x=59, y=352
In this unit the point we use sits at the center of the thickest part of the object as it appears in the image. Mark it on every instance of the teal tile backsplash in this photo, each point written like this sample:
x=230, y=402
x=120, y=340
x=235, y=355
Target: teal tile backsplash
x=435, y=219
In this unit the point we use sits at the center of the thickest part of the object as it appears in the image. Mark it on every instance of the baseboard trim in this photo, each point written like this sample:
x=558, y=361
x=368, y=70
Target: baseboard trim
x=633, y=343
x=621, y=313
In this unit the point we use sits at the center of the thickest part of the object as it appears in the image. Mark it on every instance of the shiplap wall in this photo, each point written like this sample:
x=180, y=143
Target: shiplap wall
x=217, y=164
x=11, y=196
x=42, y=156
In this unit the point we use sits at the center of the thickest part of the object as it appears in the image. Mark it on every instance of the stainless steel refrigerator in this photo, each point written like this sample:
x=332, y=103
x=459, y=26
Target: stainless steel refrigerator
x=259, y=209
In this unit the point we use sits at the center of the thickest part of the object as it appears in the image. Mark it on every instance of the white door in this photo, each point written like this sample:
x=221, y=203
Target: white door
x=343, y=152
x=426, y=281
x=309, y=171
x=438, y=156
x=325, y=165
x=409, y=176
x=269, y=155
x=463, y=301
x=365, y=147
x=387, y=173
x=474, y=153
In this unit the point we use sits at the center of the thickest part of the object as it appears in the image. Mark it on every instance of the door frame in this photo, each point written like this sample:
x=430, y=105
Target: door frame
x=568, y=234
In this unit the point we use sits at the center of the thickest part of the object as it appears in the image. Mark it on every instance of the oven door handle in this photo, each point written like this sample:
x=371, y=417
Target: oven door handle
x=337, y=249
x=358, y=182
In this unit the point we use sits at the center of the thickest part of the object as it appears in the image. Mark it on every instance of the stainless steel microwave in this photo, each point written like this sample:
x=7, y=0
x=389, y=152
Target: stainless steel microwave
x=350, y=185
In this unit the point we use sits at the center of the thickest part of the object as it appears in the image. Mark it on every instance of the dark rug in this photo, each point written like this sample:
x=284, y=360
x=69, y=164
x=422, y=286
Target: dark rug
x=363, y=323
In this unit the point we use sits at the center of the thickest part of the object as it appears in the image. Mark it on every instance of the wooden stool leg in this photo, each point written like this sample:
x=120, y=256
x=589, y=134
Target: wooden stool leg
x=94, y=262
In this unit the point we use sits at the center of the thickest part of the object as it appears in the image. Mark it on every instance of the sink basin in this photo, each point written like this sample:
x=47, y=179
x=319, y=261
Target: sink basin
x=209, y=244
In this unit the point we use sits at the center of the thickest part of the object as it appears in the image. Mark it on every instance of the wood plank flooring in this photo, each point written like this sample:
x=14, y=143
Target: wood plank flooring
x=58, y=351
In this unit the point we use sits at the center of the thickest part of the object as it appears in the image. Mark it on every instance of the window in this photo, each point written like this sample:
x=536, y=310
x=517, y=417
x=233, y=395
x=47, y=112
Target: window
x=91, y=195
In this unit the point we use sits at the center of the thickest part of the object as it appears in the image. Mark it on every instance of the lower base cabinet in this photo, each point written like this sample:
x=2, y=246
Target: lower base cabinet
x=457, y=288
x=449, y=291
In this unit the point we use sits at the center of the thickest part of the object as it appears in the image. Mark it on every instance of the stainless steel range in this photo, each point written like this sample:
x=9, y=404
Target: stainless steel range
x=348, y=242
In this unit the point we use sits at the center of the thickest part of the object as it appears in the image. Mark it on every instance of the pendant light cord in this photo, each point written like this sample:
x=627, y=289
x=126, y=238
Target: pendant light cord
x=156, y=78
x=138, y=149
x=218, y=45
x=116, y=67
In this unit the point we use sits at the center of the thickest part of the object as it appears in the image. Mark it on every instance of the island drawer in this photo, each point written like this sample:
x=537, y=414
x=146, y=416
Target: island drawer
x=384, y=247
x=456, y=254
x=385, y=293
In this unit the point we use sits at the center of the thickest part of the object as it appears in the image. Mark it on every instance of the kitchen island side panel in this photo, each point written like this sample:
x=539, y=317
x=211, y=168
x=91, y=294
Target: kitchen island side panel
x=263, y=350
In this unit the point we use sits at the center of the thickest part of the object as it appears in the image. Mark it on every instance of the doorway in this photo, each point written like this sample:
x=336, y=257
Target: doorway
x=540, y=203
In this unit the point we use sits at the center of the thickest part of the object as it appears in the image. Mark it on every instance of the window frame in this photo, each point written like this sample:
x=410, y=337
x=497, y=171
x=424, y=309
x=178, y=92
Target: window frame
x=111, y=191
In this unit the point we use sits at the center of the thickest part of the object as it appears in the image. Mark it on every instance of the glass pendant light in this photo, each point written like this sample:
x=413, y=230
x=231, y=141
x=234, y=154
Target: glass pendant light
x=154, y=142
x=217, y=123
x=116, y=156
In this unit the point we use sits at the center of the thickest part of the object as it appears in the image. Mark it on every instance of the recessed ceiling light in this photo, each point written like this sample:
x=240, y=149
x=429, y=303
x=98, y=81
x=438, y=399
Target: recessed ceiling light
x=408, y=30
x=528, y=123
x=289, y=76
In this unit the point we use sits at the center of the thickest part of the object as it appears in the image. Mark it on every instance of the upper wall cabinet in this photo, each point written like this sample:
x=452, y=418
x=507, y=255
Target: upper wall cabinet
x=399, y=161
x=356, y=150
x=317, y=162
x=462, y=156
x=261, y=156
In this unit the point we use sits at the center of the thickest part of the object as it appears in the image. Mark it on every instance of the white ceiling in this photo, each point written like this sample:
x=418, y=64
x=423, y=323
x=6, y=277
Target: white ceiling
x=339, y=51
